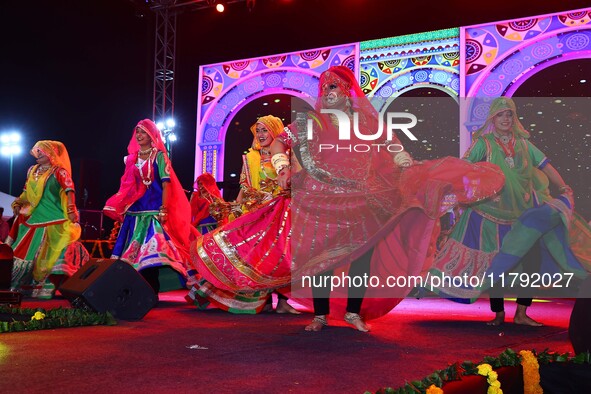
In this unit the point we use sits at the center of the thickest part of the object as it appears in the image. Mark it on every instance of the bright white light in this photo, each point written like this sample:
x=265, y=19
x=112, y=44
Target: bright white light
x=11, y=150
x=172, y=137
x=219, y=7
x=10, y=138
x=160, y=126
x=583, y=81
x=232, y=175
x=10, y=143
x=170, y=123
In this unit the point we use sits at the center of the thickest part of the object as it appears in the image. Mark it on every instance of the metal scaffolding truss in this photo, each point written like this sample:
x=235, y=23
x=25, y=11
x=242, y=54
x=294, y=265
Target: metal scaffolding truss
x=164, y=61
x=166, y=12
x=194, y=5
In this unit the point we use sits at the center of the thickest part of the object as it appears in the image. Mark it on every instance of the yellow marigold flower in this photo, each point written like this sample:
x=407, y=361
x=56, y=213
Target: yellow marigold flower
x=433, y=390
x=496, y=383
x=484, y=369
x=38, y=316
x=494, y=390
x=492, y=376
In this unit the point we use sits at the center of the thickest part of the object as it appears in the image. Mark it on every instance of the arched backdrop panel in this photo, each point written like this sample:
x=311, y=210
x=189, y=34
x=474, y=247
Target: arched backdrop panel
x=484, y=62
x=391, y=66
x=227, y=87
x=499, y=57
x=394, y=66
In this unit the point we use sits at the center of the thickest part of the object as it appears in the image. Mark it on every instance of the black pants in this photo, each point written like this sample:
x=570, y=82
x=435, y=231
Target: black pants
x=531, y=263
x=151, y=276
x=321, y=294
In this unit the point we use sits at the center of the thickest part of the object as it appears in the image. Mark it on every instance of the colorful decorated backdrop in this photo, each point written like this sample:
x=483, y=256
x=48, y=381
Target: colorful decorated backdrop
x=227, y=87
x=479, y=62
x=392, y=66
x=499, y=57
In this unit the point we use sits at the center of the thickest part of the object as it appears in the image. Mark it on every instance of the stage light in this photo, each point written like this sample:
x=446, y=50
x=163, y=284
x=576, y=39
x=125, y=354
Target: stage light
x=10, y=146
x=220, y=7
x=167, y=131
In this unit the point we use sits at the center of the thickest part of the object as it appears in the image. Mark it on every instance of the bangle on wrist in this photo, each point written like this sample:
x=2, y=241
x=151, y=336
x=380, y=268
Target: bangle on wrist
x=402, y=159
x=279, y=161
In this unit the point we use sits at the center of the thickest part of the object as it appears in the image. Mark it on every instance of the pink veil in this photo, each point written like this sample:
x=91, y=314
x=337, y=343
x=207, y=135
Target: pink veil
x=178, y=225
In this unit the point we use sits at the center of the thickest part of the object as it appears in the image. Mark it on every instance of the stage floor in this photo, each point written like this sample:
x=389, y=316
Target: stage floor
x=177, y=348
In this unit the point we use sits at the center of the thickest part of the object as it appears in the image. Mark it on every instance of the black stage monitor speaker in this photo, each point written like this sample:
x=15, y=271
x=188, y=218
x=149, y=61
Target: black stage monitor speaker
x=110, y=285
x=6, y=263
x=580, y=319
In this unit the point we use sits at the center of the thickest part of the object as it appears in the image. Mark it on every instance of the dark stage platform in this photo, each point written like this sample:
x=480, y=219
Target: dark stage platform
x=177, y=348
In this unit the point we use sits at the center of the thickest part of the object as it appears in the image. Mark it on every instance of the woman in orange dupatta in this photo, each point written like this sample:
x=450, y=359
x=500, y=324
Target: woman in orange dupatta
x=46, y=229
x=257, y=186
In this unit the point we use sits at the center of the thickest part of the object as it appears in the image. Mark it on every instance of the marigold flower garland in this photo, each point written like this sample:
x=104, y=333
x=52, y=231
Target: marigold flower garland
x=494, y=386
x=531, y=373
x=529, y=361
x=28, y=319
x=433, y=390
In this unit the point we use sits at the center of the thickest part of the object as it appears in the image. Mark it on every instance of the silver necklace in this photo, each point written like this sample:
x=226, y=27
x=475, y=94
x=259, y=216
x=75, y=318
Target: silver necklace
x=41, y=169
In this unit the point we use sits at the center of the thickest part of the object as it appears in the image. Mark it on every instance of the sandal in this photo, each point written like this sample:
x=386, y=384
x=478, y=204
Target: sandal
x=318, y=322
x=356, y=321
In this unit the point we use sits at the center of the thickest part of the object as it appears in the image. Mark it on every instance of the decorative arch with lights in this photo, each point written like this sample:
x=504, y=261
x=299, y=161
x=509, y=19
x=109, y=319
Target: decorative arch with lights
x=478, y=62
x=500, y=57
x=392, y=66
x=227, y=87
